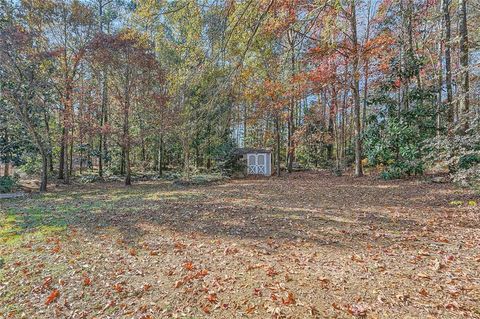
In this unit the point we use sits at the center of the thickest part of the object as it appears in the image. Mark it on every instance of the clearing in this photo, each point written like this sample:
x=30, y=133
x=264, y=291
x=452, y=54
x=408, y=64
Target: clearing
x=308, y=245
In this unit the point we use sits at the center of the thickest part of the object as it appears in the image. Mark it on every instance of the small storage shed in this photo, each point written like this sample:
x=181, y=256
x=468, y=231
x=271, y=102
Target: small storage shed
x=258, y=161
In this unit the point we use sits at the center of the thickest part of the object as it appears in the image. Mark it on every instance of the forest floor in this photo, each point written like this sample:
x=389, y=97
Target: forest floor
x=308, y=245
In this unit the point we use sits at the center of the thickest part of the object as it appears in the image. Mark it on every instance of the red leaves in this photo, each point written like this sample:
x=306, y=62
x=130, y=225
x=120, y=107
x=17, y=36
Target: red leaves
x=290, y=299
x=188, y=278
x=51, y=298
x=271, y=272
x=87, y=281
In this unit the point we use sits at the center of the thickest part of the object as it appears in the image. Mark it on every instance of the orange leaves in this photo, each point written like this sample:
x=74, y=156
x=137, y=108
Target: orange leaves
x=250, y=309
x=206, y=309
x=179, y=246
x=212, y=298
x=146, y=287
x=189, y=266
x=118, y=287
x=56, y=248
x=132, y=252
x=51, y=298
x=423, y=292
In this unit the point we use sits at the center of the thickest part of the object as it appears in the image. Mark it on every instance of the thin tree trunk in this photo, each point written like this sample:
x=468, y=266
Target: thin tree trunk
x=356, y=94
x=438, y=122
x=464, y=83
x=448, y=63
x=44, y=174
x=277, y=139
x=61, y=160
x=291, y=111
x=126, y=129
x=160, y=156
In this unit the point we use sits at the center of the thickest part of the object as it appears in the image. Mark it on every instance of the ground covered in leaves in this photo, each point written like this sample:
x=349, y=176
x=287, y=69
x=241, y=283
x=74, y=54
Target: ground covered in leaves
x=308, y=245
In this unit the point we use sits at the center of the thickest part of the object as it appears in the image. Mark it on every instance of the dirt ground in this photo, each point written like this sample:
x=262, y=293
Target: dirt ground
x=308, y=245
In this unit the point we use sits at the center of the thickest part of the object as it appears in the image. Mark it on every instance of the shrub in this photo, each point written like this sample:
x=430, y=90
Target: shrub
x=468, y=160
x=460, y=153
x=8, y=184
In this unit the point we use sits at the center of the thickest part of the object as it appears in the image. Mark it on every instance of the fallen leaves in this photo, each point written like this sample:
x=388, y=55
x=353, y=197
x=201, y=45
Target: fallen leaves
x=87, y=281
x=290, y=300
x=271, y=272
x=212, y=298
x=288, y=258
x=206, y=309
x=189, y=266
x=52, y=297
x=423, y=292
x=118, y=287
x=47, y=282
x=358, y=310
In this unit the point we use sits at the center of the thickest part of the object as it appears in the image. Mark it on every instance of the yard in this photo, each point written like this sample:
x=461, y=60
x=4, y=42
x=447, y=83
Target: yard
x=308, y=245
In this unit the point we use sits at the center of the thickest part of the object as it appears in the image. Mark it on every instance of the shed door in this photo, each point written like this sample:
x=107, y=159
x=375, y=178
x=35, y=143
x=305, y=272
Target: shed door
x=257, y=164
x=261, y=160
x=252, y=163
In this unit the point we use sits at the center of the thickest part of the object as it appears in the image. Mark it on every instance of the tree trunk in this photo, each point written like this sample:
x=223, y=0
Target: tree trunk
x=160, y=156
x=438, y=120
x=464, y=82
x=61, y=160
x=448, y=63
x=356, y=93
x=277, y=139
x=70, y=172
x=44, y=174
x=126, y=129
x=291, y=111
x=6, y=169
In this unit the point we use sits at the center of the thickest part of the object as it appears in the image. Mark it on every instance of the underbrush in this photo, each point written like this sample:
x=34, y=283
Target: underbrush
x=8, y=184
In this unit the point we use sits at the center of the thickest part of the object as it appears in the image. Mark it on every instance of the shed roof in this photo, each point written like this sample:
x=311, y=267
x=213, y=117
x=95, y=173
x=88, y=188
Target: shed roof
x=247, y=150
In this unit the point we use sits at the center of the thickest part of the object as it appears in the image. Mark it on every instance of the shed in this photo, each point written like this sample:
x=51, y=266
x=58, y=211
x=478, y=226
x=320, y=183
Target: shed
x=258, y=161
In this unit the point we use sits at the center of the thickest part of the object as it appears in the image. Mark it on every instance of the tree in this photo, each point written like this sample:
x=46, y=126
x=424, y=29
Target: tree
x=130, y=64
x=23, y=70
x=464, y=79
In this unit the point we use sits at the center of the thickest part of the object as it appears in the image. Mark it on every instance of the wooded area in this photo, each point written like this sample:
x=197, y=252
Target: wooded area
x=239, y=159
x=107, y=87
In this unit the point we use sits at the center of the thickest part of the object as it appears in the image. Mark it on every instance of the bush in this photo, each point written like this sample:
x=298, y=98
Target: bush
x=401, y=169
x=231, y=164
x=468, y=160
x=8, y=184
x=460, y=153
